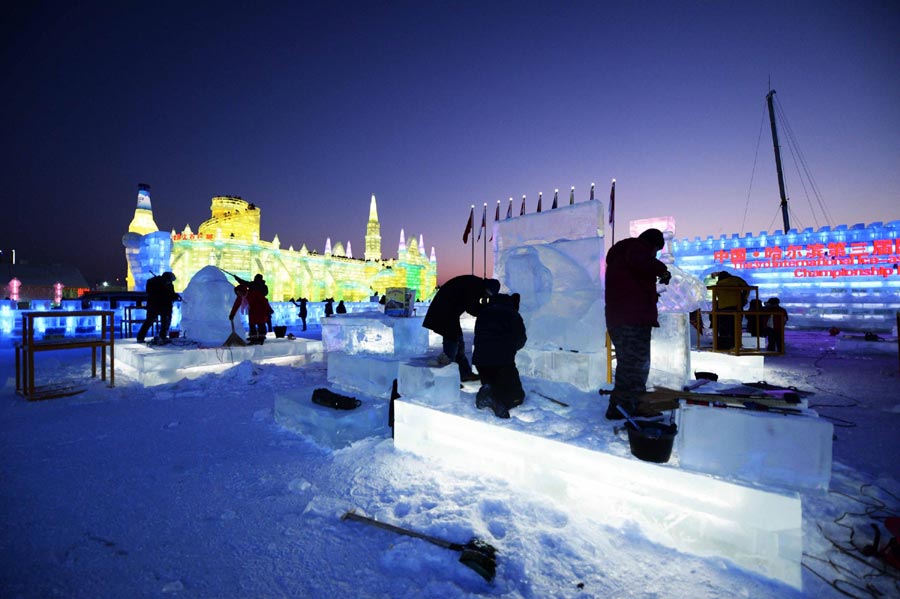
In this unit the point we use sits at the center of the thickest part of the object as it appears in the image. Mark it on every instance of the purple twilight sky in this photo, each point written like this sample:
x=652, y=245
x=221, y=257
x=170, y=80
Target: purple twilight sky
x=308, y=108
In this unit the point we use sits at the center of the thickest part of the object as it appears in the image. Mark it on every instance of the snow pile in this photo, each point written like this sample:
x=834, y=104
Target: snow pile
x=191, y=489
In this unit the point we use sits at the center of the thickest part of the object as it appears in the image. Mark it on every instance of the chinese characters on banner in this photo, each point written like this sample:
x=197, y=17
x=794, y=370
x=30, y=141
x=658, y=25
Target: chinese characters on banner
x=880, y=258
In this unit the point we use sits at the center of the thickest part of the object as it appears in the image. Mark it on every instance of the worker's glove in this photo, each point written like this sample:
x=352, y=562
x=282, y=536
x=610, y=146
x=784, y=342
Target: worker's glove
x=665, y=278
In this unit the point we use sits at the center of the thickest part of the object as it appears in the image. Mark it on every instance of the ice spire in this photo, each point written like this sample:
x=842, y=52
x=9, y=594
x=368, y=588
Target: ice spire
x=572, y=196
x=540, y=198
x=555, y=198
x=373, y=233
x=328, y=246
x=349, y=250
x=433, y=256
x=402, y=247
x=592, y=191
x=421, y=244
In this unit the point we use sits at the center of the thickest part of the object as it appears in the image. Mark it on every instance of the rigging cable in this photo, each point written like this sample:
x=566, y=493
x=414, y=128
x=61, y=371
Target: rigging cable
x=803, y=168
x=753, y=171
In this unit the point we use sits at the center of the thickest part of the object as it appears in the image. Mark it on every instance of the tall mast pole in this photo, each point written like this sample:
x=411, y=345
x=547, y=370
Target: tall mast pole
x=784, y=207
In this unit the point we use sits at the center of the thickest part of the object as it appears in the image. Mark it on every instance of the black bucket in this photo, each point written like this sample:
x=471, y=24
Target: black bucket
x=652, y=442
x=280, y=331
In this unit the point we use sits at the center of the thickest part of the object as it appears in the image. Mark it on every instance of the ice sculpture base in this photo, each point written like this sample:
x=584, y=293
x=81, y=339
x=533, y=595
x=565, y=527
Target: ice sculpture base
x=584, y=370
x=758, y=530
x=152, y=366
x=771, y=449
x=416, y=378
x=295, y=411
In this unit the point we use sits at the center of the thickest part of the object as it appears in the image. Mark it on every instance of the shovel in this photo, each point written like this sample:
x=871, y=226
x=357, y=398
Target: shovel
x=233, y=338
x=476, y=554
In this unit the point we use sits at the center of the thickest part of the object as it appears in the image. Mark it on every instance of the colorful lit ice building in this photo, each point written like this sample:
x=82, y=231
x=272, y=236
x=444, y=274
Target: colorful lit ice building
x=230, y=240
x=843, y=276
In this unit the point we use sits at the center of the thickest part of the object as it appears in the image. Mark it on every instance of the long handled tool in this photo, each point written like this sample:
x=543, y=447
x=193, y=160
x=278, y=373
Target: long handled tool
x=476, y=554
x=233, y=338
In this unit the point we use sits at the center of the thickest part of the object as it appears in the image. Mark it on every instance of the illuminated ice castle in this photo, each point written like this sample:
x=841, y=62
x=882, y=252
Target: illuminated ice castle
x=230, y=240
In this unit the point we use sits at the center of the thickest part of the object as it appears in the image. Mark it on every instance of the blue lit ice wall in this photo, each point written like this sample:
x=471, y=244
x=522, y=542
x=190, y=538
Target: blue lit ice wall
x=846, y=277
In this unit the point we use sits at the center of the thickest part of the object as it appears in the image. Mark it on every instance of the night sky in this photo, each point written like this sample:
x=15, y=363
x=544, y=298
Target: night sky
x=307, y=109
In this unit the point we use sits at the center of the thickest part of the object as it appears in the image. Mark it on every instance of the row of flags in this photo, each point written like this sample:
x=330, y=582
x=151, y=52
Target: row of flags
x=471, y=222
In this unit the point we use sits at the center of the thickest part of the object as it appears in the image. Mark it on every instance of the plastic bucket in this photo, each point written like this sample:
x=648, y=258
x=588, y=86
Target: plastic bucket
x=280, y=331
x=652, y=442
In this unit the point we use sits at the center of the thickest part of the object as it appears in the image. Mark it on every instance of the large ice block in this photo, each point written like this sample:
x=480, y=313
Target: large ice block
x=741, y=368
x=771, y=449
x=416, y=377
x=586, y=371
x=757, y=529
x=670, y=359
x=553, y=259
x=327, y=427
x=370, y=374
x=374, y=333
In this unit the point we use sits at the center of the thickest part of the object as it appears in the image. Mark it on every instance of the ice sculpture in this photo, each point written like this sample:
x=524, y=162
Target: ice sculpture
x=553, y=259
x=208, y=298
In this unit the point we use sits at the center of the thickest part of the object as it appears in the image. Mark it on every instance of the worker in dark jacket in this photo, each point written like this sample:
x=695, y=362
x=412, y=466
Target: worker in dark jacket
x=499, y=334
x=632, y=271
x=460, y=294
x=160, y=296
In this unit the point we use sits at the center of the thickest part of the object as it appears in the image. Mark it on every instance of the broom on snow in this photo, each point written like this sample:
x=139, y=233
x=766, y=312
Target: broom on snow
x=233, y=338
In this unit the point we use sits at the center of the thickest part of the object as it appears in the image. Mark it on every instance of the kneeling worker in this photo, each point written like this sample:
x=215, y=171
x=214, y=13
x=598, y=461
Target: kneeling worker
x=499, y=334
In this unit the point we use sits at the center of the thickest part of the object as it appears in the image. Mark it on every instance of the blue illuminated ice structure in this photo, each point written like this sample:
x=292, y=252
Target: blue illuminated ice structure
x=845, y=276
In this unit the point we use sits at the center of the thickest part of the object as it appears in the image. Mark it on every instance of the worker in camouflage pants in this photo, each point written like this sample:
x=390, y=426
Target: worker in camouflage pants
x=632, y=345
x=632, y=271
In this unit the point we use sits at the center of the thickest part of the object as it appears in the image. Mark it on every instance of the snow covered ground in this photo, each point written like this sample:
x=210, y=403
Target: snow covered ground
x=193, y=490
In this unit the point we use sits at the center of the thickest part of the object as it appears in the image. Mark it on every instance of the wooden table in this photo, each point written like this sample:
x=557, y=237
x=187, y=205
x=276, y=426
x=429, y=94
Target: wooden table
x=31, y=344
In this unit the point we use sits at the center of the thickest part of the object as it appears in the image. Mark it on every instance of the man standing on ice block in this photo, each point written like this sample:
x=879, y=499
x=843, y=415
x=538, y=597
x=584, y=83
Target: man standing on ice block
x=460, y=294
x=631, y=274
x=160, y=295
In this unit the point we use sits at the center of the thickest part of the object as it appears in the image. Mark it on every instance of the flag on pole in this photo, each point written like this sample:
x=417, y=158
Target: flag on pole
x=483, y=222
x=496, y=218
x=469, y=224
x=572, y=196
x=509, y=209
x=522, y=210
x=540, y=195
x=555, y=199
x=612, y=203
x=592, y=191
